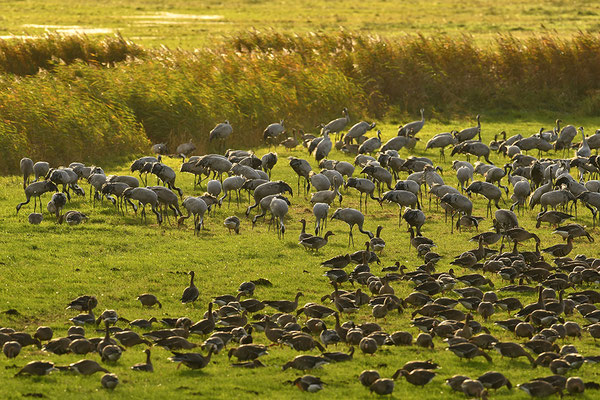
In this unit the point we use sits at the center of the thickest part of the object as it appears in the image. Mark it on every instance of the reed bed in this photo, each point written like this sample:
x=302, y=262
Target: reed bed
x=107, y=99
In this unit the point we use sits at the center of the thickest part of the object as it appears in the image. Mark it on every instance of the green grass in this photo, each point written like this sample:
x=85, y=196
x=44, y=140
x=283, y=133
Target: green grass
x=138, y=19
x=116, y=258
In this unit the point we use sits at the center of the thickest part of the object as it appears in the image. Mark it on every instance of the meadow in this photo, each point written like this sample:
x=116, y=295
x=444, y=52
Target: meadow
x=142, y=72
x=117, y=258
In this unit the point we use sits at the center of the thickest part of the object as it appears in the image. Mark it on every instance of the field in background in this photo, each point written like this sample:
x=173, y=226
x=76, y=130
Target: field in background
x=177, y=23
x=116, y=258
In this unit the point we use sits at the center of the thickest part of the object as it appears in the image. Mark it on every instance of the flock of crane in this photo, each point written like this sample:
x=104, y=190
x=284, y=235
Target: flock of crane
x=562, y=287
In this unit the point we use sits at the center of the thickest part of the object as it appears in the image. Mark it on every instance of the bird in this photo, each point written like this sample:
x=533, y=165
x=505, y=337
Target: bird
x=190, y=294
x=560, y=250
x=221, y=131
x=232, y=223
x=149, y=300
x=352, y=217
x=109, y=381
x=316, y=242
x=37, y=368
x=309, y=383
x=192, y=360
x=412, y=128
x=144, y=367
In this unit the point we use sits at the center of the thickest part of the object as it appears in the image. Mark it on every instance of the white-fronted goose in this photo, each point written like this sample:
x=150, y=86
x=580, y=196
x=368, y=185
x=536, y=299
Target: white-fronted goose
x=382, y=386
x=309, y=383
x=148, y=300
x=192, y=360
x=191, y=293
x=417, y=377
x=305, y=362
x=109, y=381
x=11, y=349
x=316, y=242
x=144, y=367
x=37, y=368
x=85, y=367
x=284, y=306
x=43, y=333
x=248, y=352
x=539, y=388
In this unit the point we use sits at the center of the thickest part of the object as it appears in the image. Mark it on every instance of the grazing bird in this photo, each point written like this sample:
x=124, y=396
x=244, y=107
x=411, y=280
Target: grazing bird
x=192, y=360
x=190, y=294
x=272, y=132
x=232, y=223
x=37, y=368
x=109, y=381
x=412, y=128
x=185, y=149
x=144, y=367
x=560, y=250
x=148, y=300
x=309, y=383
x=26, y=165
x=337, y=125
x=352, y=217
x=35, y=218
x=36, y=190
x=221, y=131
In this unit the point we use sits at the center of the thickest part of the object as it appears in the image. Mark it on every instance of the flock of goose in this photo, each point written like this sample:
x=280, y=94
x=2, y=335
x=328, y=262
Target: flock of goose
x=444, y=305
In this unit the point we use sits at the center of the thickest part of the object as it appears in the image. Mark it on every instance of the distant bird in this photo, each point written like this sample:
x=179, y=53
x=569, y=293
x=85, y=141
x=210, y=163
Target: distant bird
x=159, y=148
x=190, y=294
x=352, y=217
x=149, y=300
x=185, y=149
x=35, y=190
x=412, y=128
x=35, y=218
x=144, y=367
x=272, y=132
x=221, y=131
x=469, y=133
x=26, y=165
x=337, y=125
x=109, y=381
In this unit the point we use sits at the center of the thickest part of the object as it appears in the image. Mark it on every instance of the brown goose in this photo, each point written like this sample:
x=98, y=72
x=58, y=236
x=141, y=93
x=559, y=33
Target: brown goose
x=43, y=333
x=58, y=346
x=339, y=356
x=191, y=293
x=144, y=367
x=368, y=345
x=309, y=383
x=248, y=364
x=368, y=376
x=205, y=326
x=109, y=381
x=305, y=362
x=303, y=234
x=85, y=367
x=513, y=350
x=37, y=368
x=494, y=380
x=417, y=377
x=456, y=381
x=316, y=242
x=248, y=352
x=149, y=300
x=111, y=353
x=472, y=387
x=175, y=343
x=284, y=306
x=539, y=388
x=11, y=349
x=81, y=346
x=382, y=386
x=560, y=250
x=192, y=360
x=83, y=303
x=130, y=338
x=468, y=351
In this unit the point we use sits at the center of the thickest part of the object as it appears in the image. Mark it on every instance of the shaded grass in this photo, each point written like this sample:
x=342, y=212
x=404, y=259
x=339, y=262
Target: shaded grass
x=116, y=258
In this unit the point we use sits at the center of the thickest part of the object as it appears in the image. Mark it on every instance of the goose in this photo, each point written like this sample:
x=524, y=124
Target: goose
x=539, y=388
x=468, y=351
x=513, y=350
x=192, y=360
x=309, y=383
x=305, y=362
x=284, y=306
x=382, y=386
x=551, y=217
x=316, y=242
x=37, y=368
x=143, y=323
x=339, y=356
x=43, y=333
x=367, y=377
x=130, y=338
x=191, y=293
x=248, y=352
x=377, y=243
x=560, y=250
x=85, y=367
x=109, y=381
x=417, y=377
x=11, y=349
x=148, y=300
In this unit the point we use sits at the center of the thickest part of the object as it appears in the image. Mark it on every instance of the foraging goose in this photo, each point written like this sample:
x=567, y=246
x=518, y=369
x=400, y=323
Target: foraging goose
x=417, y=377
x=513, y=350
x=130, y=338
x=574, y=230
x=339, y=356
x=81, y=346
x=148, y=300
x=37, y=368
x=11, y=349
x=309, y=383
x=85, y=367
x=108, y=317
x=43, y=333
x=192, y=360
x=305, y=362
x=175, y=343
x=144, y=367
x=143, y=323
x=539, y=388
x=382, y=386
x=468, y=351
x=83, y=303
x=368, y=376
x=109, y=381
x=494, y=380
x=472, y=387
x=191, y=293
x=205, y=326
x=248, y=364
x=248, y=352
x=111, y=353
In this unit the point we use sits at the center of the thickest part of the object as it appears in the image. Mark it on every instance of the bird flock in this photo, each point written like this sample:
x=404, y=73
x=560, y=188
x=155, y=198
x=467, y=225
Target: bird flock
x=455, y=308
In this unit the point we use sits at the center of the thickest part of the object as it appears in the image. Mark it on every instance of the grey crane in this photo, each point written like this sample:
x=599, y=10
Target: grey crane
x=251, y=184
x=214, y=187
x=555, y=198
x=26, y=165
x=36, y=190
x=371, y=145
x=272, y=132
x=458, y=204
x=268, y=161
x=59, y=200
x=232, y=223
x=140, y=162
x=441, y=141
x=324, y=147
x=584, y=149
x=320, y=211
x=167, y=198
x=192, y=167
x=464, y=175
x=302, y=168
x=537, y=194
x=489, y=191
x=197, y=207
x=495, y=175
x=326, y=196
x=592, y=202
x=337, y=125
x=344, y=168
x=403, y=198
x=358, y=130
x=159, y=148
x=414, y=218
x=521, y=191
x=469, y=133
x=116, y=189
x=144, y=196
x=279, y=209
x=398, y=142
x=335, y=178
x=505, y=220
x=167, y=175
x=185, y=149
x=264, y=206
x=221, y=132
x=352, y=217
x=594, y=141
x=65, y=177
x=215, y=163
x=245, y=171
x=380, y=174
x=472, y=147
x=319, y=181
x=273, y=187
x=365, y=186
x=232, y=183
x=40, y=169
x=566, y=136
x=412, y=128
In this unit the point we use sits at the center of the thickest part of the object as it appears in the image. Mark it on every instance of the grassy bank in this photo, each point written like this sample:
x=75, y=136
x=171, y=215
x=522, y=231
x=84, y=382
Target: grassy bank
x=115, y=97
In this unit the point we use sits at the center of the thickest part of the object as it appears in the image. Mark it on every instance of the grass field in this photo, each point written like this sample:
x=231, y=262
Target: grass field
x=193, y=24
x=116, y=258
